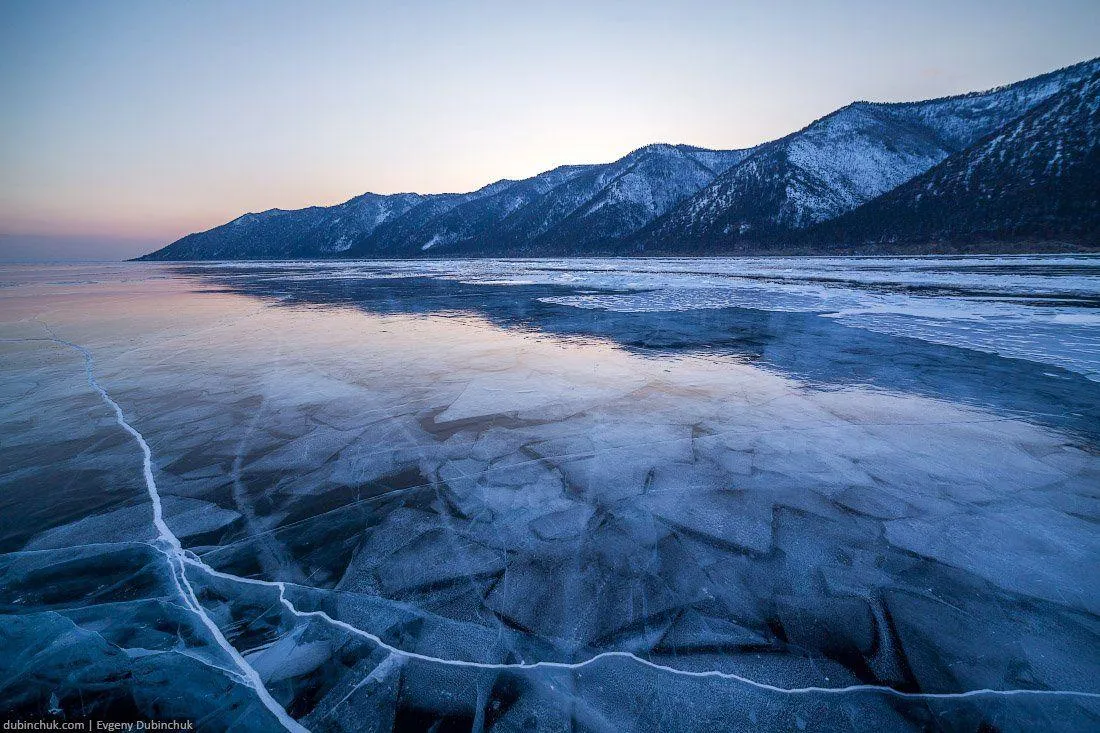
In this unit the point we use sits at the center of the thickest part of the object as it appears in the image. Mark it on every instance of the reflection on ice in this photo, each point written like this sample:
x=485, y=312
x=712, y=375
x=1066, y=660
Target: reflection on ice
x=417, y=501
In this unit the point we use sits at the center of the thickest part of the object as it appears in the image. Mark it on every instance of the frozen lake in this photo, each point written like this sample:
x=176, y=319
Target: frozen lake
x=629, y=495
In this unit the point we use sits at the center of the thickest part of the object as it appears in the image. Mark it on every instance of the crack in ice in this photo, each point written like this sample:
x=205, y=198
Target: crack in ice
x=191, y=559
x=169, y=545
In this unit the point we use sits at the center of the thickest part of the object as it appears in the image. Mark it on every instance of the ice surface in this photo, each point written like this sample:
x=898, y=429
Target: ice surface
x=607, y=495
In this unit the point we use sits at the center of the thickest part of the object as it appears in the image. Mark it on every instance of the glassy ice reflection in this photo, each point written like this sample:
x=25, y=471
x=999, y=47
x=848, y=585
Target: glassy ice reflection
x=554, y=495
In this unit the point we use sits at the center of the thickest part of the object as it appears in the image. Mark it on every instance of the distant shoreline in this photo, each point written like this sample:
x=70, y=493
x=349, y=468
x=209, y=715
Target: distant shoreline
x=976, y=250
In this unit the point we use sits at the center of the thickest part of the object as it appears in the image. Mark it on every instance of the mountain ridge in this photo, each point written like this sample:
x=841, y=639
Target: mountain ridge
x=678, y=198
x=953, y=200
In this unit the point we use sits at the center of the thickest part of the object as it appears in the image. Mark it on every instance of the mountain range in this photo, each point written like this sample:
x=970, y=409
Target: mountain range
x=1013, y=167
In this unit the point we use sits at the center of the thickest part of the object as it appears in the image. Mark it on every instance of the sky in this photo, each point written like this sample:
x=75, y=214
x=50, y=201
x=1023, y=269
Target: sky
x=126, y=125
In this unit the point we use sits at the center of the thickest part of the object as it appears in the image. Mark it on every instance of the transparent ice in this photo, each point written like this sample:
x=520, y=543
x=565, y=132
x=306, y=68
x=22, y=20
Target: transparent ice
x=553, y=495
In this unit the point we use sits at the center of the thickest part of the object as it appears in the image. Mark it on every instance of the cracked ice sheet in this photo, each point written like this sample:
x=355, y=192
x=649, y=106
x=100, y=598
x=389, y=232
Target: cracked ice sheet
x=1041, y=308
x=467, y=492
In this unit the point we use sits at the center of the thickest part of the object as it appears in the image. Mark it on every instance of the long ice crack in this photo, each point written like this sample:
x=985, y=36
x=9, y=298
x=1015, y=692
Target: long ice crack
x=170, y=546
x=570, y=666
x=177, y=559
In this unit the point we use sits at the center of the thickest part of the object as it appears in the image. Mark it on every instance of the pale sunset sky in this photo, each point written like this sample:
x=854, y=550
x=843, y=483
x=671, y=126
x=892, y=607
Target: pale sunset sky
x=127, y=124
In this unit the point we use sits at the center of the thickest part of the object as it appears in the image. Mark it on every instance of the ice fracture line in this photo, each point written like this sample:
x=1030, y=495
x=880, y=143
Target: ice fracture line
x=191, y=559
x=178, y=558
x=170, y=546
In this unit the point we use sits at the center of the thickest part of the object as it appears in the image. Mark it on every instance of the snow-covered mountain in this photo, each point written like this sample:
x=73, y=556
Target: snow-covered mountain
x=842, y=161
x=1037, y=178
x=569, y=206
x=609, y=203
x=671, y=198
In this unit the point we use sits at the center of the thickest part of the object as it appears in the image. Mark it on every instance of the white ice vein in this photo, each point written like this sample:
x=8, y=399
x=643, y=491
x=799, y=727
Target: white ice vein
x=191, y=559
x=168, y=544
